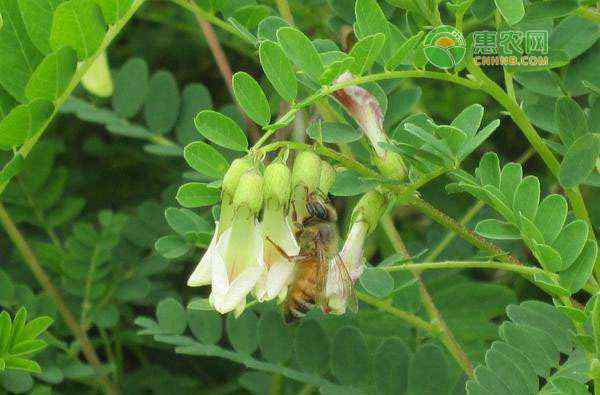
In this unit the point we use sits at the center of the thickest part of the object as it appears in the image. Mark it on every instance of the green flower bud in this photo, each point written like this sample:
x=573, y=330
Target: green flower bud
x=232, y=177
x=327, y=177
x=391, y=165
x=307, y=170
x=277, y=187
x=249, y=192
x=369, y=209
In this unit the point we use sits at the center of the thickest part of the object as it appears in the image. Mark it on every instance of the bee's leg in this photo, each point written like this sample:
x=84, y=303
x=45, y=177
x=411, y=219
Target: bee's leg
x=280, y=250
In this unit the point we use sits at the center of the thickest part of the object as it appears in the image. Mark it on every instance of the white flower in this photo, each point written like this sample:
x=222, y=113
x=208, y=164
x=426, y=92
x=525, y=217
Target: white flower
x=278, y=241
x=352, y=259
x=233, y=262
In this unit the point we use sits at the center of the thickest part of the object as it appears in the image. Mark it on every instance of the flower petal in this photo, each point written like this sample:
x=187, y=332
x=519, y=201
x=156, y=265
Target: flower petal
x=239, y=288
x=202, y=273
x=279, y=277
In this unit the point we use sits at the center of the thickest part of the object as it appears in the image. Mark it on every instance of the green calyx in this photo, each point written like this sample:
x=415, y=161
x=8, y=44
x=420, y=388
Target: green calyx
x=327, y=177
x=249, y=192
x=369, y=209
x=277, y=184
x=232, y=177
x=391, y=165
x=307, y=171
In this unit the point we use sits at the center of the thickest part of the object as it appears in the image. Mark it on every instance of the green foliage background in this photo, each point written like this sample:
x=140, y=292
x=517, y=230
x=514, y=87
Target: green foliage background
x=92, y=184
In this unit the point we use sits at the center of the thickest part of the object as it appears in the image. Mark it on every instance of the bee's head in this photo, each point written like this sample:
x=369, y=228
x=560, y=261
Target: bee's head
x=320, y=211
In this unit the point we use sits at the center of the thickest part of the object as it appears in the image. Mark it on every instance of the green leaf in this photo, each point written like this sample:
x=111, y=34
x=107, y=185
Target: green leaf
x=571, y=120
x=329, y=132
x=428, y=373
x=510, y=178
x=184, y=221
x=570, y=241
x=221, y=130
x=390, y=367
x=24, y=365
x=267, y=28
x=274, y=338
x=161, y=108
x=527, y=197
x=576, y=276
x=365, y=52
x=36, y=327
x=18, y=55
x=488, y=170
x=251, y=98
x=455, y=139
x=550, y=9
x=549, y=285
x=195, y=194
x=574, y=35
x=26, y=347
x=278, y=70
x=114, y=9
x=551, y=216
x=469, y=119
x=205, y=159
x=350, y=361
x=579, y=161
x=548, y=257
x=37, y=17
x=171, y=316
x=206, y=326
x=131, y=87
x=52, y=76
x=195, y=97
x=242, y=332
x=311, y=347
x=350, y=183
x=499, y=230
x=106, y=316
x=301, y=51
x=377, y=282
x=7, y=291
x=512, y=10
x=5, y=331
x=542, y=82
x=23, y=122
x=403, y=53
x=171, y=246
x=370, y=20
x=79, y=25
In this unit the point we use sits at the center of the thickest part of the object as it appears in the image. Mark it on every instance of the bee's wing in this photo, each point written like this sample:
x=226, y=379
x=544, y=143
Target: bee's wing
x=322, y=274
x=341, y=278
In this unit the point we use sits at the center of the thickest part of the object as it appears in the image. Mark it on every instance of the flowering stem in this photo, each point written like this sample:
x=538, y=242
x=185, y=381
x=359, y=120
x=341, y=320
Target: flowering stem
x=419, y=267
x=42, y=277
x=436, y=318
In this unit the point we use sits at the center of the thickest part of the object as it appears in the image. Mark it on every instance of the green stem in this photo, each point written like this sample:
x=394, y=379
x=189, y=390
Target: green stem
x=284, y=10
x=112, y=32
x=527, y=270
x=412, y=319
x=466, y=234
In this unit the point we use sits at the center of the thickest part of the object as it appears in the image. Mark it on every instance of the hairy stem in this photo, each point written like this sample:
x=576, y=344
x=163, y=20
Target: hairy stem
x=419, y=267
x=40, y=274
x=435, y=316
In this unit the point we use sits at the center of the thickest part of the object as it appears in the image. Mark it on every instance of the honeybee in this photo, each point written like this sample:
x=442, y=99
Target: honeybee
x=317, y=263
